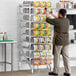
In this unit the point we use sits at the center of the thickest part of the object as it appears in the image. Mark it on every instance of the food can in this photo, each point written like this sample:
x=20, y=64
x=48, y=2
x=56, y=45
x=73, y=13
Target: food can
x=43, y=11
x=48, y=4
x=41, y=47
x=37, y=11
x=36, y=62
x=42, y=32
x=36, y=18
x=36, y=25
x=42, y=25
x=48, y=47
x=43, y=54
x=48, y=61
x=58, y=5
x=36, y=40
x=48, y=26
x=49, y=54
x=43, y=18
x=42, y=61
x=42, y=4
x=36, y=4
x=36, y=33
x=48, y=40
x=36, y=48
x=36, y=54
x=42, y=40
x=48, y=32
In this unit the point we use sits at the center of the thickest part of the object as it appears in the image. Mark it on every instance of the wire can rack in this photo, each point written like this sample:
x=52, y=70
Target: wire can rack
x=35, y=34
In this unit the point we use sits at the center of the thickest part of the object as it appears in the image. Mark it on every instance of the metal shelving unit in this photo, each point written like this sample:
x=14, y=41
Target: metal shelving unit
x=26, y=39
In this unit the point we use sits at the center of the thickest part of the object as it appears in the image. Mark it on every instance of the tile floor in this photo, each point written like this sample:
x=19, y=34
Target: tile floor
x=36, y=73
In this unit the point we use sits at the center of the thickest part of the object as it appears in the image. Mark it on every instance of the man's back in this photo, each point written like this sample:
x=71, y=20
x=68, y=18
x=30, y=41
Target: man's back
x=61, y=26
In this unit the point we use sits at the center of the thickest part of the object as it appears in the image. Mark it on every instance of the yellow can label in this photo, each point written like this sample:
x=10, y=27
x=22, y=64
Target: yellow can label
x=37, y=18
x=36, y=4
x=42, y=33
x=42, y=25
x=48, y=32
x=43, y=18
x=36, y=33
x=36, y=25
x=36, y=40
x=42, y=4
x=48, y=26
x=48, y=4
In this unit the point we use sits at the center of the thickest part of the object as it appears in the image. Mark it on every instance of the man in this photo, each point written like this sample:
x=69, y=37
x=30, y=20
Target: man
x=61, y=26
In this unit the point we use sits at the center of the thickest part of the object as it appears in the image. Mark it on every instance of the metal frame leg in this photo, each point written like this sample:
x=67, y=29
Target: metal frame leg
x=32, y=69
x=2, y=56
x=50, y=67
x=5, y=58
x=11, y=56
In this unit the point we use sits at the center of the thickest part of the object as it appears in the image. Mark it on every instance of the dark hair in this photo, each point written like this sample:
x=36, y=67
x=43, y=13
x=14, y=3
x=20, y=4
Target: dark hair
x=63, y=12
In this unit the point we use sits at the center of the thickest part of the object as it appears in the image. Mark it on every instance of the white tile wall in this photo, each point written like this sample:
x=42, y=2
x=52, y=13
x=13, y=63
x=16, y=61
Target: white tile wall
x=8, y=23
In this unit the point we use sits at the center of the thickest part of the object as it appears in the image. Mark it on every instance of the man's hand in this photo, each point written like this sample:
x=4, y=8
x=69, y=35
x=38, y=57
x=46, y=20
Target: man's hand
x=47, y=13
x=53, y=14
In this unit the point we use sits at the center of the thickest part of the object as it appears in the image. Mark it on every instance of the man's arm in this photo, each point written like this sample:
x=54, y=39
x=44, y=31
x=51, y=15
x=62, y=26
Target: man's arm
x=47, y=14
x=51, y=21
x=54, y=15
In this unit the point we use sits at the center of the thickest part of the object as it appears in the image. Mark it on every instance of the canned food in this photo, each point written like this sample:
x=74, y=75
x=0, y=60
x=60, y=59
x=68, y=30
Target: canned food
x=36, y=54
x=41, y=47
x=37, y=11
x=48, y=61
x=48, y=4
x=26, y=3
x=43, y=54
x=42, y=4
x=36, y=48
x=43, y=18
x=42, y=32
x=36, y=40
x=48, y=40
x=48, y=32
x=42, y=40
x=49, y=54
x=48, y=26
x=36, y=25
x=36, y=33
x=36, y=4
x=58, y=5
x=36, y=61
x=32, y=10
x=42, y=25
x=48, y=47
x=43, y=11
x=36, y=18
x=42, y=61
x=26, y=10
